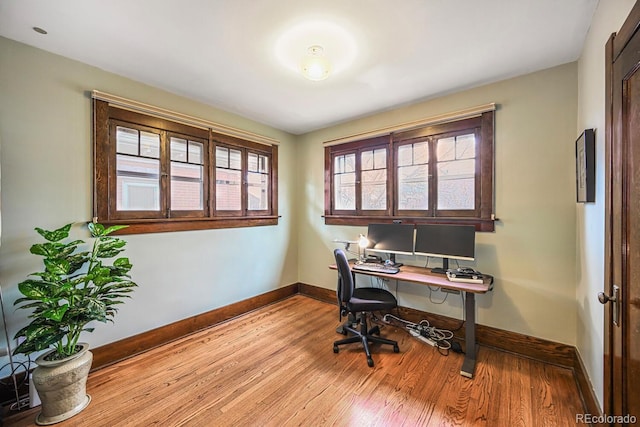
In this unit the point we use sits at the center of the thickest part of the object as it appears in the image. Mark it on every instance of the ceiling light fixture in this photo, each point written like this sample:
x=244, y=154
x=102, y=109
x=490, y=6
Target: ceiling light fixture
x=315, y=66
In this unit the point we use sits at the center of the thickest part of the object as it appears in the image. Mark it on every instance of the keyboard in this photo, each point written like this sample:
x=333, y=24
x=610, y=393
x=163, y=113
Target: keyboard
x=376, y=268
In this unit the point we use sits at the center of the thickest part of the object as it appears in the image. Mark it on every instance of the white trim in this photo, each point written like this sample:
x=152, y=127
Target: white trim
x=441, y=118
x=131, y=105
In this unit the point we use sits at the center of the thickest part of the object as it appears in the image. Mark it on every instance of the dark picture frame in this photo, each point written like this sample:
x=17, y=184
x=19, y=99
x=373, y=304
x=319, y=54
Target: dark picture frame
x=586, y=167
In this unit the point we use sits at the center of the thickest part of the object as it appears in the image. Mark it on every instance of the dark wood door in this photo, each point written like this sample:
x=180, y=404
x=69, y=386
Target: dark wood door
x=622, y=264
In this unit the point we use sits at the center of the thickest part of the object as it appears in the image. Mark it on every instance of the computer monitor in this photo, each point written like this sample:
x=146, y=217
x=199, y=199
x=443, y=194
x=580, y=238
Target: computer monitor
x=391, y=239
x=446, y=241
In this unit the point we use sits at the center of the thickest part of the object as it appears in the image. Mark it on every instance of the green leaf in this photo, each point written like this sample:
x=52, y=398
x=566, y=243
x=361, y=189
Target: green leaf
x=60, y=267
x=98, y=230
x=48, y=249
x=95, y=229
x=76, y=261
x=36, y=289
x=110, y=247
x=57, y=313
x=56, y=235
x=113, y=228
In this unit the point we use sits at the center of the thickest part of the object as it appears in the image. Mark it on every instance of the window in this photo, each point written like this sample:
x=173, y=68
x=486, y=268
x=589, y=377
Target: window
x=243, y=178
x=159, y=175
x=360, y=178
x=439, y=173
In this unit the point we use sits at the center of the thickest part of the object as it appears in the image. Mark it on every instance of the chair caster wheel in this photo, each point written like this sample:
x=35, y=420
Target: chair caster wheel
x=396, y=349
x=370, y=362
x=335, y=349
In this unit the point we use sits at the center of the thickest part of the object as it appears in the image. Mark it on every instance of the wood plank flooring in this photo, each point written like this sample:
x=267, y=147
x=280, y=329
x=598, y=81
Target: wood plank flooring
x=276, y=367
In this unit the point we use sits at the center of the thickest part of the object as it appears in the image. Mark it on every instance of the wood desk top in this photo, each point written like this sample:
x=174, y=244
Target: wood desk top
x=424, y=276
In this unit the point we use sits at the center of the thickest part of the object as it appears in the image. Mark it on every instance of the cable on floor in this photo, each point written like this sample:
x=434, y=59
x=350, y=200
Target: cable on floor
x=441, y=338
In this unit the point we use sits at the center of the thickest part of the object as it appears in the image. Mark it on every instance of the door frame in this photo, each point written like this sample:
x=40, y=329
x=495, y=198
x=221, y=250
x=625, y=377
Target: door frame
x=614, y=47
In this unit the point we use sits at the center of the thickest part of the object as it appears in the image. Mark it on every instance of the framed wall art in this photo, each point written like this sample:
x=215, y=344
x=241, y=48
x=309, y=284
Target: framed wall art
x=586, y=167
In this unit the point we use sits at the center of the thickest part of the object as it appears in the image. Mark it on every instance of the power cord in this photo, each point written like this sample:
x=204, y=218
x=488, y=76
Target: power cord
x=21, y=402
x=438, y=338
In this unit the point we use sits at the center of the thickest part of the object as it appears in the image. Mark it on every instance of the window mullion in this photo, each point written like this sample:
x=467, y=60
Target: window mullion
x=165, y=178
x=211, y=149
x=358, y=182
x=433, y=176
x=244, y=185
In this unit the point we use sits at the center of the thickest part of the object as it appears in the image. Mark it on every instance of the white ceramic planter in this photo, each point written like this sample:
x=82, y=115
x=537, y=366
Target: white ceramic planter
x=62, y=386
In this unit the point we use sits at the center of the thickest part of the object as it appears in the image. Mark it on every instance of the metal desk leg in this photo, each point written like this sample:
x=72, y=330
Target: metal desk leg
x=469, y=364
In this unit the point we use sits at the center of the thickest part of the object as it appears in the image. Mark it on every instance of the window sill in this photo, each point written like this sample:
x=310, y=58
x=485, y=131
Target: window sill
x=480, y=223
x=189, y=224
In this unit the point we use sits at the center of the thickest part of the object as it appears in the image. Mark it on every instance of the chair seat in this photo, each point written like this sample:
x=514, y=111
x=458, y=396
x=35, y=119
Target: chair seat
x=371, y=299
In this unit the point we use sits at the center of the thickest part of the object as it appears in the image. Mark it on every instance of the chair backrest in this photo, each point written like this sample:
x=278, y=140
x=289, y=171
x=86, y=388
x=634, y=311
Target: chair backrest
x=346, y=283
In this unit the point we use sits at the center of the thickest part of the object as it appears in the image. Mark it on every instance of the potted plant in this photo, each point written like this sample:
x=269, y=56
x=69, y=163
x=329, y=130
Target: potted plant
x=76, y=287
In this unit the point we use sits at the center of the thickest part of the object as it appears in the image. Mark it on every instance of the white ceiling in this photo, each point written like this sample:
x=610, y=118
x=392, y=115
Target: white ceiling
x=241, y=55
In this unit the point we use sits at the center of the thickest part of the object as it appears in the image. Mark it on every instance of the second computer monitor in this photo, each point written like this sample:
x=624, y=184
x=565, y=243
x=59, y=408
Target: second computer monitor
x=391, y=239
x=446, y=241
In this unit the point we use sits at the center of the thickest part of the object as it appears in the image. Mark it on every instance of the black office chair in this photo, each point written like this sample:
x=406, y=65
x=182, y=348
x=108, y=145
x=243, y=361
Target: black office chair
x=360, y=301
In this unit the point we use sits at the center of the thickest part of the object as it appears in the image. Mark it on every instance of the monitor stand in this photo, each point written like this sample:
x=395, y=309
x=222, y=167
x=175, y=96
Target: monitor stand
x=445, y=267
x=392, y=261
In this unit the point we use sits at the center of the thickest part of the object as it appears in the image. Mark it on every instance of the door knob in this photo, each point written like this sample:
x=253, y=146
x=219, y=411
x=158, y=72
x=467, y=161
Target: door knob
x=604, y=298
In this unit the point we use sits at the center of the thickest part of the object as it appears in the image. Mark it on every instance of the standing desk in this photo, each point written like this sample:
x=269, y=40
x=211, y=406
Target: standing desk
x=424, y=276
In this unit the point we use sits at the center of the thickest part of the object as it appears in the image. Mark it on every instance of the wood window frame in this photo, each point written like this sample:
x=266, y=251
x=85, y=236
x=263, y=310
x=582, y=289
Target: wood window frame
x=104, y=176
x=482, y=217
x=357, y=148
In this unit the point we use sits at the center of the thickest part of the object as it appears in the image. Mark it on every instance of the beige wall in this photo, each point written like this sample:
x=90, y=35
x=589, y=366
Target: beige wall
x=532, y=251
x=607, y=19
x=45, y=129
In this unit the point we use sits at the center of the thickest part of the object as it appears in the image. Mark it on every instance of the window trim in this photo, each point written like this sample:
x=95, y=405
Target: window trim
x=104, y=175
x=482, y=217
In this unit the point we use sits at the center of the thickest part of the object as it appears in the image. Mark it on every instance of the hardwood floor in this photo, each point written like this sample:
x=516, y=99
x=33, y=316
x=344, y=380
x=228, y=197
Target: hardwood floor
x=275, y=367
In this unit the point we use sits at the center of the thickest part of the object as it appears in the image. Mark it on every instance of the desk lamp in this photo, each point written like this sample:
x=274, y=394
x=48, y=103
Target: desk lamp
x=363, y=242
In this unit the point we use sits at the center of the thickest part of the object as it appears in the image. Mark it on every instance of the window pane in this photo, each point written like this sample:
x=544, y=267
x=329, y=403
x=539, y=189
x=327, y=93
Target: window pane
x=252, y=162
x=235, y=159
x=413, y=187
x=345, y=182
x=150, y=144
x=126, y=140
x=466, y=146
x=195, y=152
x=405, y=155
x=264, y=164
x=456, y=184
x=446, y=149
x=186, y=187
x=222, y=157
x=380, y=159
x=338, y=165
x=374, y=189
x=456, y=194
x=350, y=163
x=258, y=191
x=345, y=191
x=178, y=149
x=374, y=179
x=138, y=184
x=228, y=195
x=258, y=182
x=420, y=153
x=366, y=159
